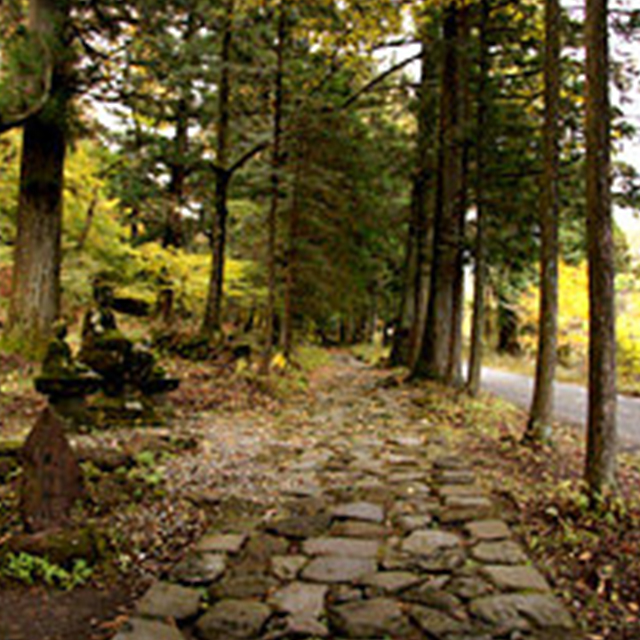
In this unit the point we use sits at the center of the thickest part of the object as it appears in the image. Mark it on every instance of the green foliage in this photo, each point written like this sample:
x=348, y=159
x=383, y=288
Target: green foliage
x=31, y=569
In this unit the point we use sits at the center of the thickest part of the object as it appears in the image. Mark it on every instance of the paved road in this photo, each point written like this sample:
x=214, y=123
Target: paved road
x=570, y=402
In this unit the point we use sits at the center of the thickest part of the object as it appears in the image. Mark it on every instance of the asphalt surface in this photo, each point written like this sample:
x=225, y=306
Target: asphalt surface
x=570, y=403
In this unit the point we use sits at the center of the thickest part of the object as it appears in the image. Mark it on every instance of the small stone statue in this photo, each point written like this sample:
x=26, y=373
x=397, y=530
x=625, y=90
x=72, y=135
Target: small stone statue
x=58, y=361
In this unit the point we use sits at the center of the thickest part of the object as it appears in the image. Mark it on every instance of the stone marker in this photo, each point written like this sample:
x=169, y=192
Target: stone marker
x=51, y=478
x=166, y=600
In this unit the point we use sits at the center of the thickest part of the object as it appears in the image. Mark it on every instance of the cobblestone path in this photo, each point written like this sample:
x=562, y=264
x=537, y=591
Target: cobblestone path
x=384, y=534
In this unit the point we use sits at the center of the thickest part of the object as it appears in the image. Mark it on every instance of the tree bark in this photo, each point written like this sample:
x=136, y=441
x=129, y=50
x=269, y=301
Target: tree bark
x=434, y=359
x=272, y=218
x=35, y=286
x=212, y=322
x=173, y=231
x=600, y=470
x=541, y=414
x=480, y=274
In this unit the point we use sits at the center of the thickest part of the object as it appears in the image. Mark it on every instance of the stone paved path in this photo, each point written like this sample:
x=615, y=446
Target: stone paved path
x=383, y=535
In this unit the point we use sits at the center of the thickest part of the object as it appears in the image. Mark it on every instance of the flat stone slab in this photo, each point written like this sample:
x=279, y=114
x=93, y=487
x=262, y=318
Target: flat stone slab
x=358, y=529
x=452, y=490
x=436, y=623
x=347, y=547
x=455, y=476
x=302, y=600
x=166, y=600
x=366, y=511
x=380, y=617
x=515, y=611
x=138, y=629
x=335, y=569
x=243, y=587
x=288, y=567
x=221, y=543
x=426, y=543
x=410, y=523
x=488, y=530
x=200, y=569
x=522, y=578
x=392, y=581
x=233, y=619
x=300, y=527
x=501, y=552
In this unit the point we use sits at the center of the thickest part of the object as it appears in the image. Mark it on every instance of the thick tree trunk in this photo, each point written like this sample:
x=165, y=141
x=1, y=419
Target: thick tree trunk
x=212, y=321
x=173, y=232
x=480, y=273
x=435, y=353
x=600, y=471
x=541, y=414
x=35, y=287
x=272, y=218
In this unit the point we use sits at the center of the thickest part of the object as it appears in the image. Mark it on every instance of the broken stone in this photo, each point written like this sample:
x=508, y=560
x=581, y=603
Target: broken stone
x=522, y=578
x=503, y=552
x=333, y=569
x=138, y=629
x=301, y=600
x=391, y=581
x=365, y=511
x=488, y=530
x=348, y=547
x=425, y=543
x=221, y=543
x=200, y=569
x=436, y=623
x=166, y=600
x=300, y=527
x=357, y=529
x=375, y=618
x=233, y=619
x=288, y=567
x=514, y=611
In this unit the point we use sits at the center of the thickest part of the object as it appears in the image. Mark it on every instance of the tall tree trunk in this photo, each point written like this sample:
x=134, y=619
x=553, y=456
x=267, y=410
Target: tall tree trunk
x=291, y=256
x=480, y=274
x=454, y=369
x=276, y=164
x=600, y=471
x=434, y=358
x=35, y=286
x=212, y=322
x=173, y=232
x=541, y=414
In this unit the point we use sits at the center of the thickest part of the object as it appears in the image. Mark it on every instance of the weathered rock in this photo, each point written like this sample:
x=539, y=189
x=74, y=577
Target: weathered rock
x=430, y=596
x=515, y=611
x=243, y=586
x=300, y=599
x=435, y=623
x=300, y=527
x=51, y=478
x=410, y=523
x=449, y=463
x=375, y=618
x=522, y=578
x=332, y=569
x=502, y=552
x=200, y=569
x=365, y=511
x=138, y=629
x=166, y=600
x=391, y=581
x=459, y=490
x=288, y=567
x=348, y=547
x=441, y=561
x=357, y=529
x=469, y=587
x=340, y=593
x=453, y=476
x=488, y=530
x=221, y=543
x=233, y=619
x=425, y=543
x=463, y=509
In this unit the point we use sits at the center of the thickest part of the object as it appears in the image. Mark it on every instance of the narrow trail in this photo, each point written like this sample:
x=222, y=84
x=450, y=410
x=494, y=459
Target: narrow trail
x=343, y=517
